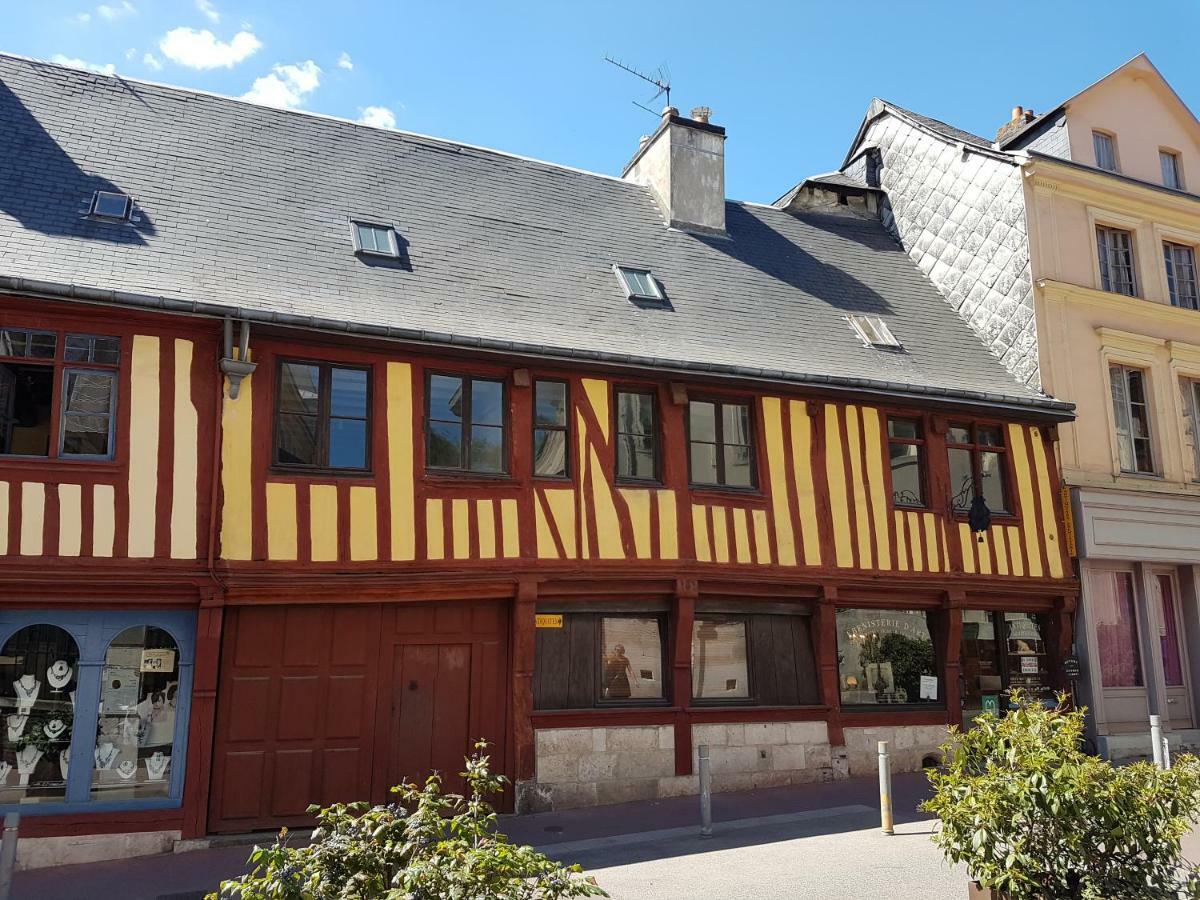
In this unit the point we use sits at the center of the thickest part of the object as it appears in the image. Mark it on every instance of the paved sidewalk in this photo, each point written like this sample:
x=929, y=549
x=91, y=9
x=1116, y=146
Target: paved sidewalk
x=808, y=841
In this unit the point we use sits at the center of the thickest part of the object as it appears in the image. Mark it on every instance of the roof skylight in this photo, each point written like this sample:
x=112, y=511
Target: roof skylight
x=874, y=332
x=639, y=284
x=377, y=240
x=110, y=205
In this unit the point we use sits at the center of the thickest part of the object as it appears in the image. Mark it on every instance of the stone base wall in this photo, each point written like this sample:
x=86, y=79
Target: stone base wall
x=908, y=746
x=38, y=853
x=591, y=766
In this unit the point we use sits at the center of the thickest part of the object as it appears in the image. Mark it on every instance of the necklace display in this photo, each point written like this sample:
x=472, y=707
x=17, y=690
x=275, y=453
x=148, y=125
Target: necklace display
x=127, y=769
x=54, y=728
x=16, y=727
x=27, y=688
x=156, y=765
x=27, y=760
x=59, y=674
x=106, y=755
x=64, y=762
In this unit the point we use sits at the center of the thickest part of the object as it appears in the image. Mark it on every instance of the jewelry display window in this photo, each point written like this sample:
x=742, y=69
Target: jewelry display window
x=95, y=709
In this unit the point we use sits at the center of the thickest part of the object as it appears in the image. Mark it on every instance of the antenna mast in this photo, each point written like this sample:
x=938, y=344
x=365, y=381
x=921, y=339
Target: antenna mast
x=661, y=79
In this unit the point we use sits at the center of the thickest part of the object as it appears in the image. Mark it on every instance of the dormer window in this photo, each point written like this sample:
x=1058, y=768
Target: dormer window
x=874, y=332
x=639, y=284
x=374, y=240
x=110, y=205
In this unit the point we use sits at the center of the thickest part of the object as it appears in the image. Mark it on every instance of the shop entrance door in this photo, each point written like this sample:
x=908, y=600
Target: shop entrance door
x=1174, y=660
x=1002, y=651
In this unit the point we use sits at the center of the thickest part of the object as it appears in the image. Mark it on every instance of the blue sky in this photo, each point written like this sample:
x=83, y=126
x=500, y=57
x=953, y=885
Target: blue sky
x=790, y=81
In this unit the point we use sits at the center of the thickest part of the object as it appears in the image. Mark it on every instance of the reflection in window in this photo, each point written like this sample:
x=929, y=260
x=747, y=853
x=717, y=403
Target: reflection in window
x=135, y=734
x=550, y=429
x=720, y=444
x=631, y=658
x=886, y=656
x=322, y=416
x=465, y=430
x=720, y=669
x=976, y=457
x=38, y=669
x=637, y=436
x=906, y=455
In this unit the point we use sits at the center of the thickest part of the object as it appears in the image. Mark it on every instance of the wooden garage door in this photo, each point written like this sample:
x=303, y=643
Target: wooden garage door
x=321, y=703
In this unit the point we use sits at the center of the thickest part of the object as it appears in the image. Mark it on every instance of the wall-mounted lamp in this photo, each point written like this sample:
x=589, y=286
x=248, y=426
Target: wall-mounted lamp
x=239, y=367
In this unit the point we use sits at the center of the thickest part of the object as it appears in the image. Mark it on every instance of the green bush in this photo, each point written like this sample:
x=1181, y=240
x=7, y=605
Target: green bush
x=1030, y=814
x=427, y=846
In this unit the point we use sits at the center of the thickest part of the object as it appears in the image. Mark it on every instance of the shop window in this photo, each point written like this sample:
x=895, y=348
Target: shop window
x=886, y=657
x=1115, y=615
x=637, y=436
x=761, y=658
x=906, y=455
x=585, y=659
x=466, y=426
x=720, y=444
x=322, y=418
x=551, y=429
x=38, y=668
x=977, y=466
x=1001, y=651
x=135, y=732
x=52, y=381
x=1131, y=414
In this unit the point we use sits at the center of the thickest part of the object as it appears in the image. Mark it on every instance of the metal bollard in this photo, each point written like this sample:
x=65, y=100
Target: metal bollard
x=8, y=853
x=1156, y=739
x=885, y=788
x=1166, y=754
x=705, y=793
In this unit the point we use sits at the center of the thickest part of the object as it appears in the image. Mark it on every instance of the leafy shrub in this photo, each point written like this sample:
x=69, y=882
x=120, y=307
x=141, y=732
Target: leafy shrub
x=427, y=846
x=1030, y=814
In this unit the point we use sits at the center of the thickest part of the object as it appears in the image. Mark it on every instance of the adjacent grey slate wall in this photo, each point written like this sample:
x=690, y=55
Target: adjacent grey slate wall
x=961, y=217
x=1050, y=138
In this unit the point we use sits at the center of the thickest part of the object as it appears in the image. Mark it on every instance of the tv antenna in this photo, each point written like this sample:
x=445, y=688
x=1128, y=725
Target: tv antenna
x=660, y=78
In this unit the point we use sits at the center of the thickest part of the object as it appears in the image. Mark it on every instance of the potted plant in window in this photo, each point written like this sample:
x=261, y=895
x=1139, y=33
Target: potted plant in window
x=1032, y=816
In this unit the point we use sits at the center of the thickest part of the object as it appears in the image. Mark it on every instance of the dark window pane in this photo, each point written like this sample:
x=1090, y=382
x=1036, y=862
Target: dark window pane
x=549, y=452
x=886, y=656
x=959, y=434
x=631, y=659
x=445, y=445
x=737, y=467
x=962, y=480
x=719, y=663
x=550, y=403
x=87, y=403
x=445, y=397
x=86, y=435
x=907, y=488
x=702, y=424
x=991, y=472
x=347, y=443
x=348, y=393
x=299, y=388
x=735, y=423
x=42, y=345
x=990, y=435
x=79, y=348
x=487, y=448
x=904, y=428
x=297, y=439
x=26, y=399
x=704, y=463
x=13, y=342
x=487, y=403
x=635, y=413
x=635, y=456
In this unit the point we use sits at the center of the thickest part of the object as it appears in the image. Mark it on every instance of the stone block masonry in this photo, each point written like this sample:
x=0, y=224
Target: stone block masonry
x=908, y=745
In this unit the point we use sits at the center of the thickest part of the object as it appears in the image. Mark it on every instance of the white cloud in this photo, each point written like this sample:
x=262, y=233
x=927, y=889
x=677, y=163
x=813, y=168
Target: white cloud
x=150, y=61
x=106, y=69
x=286, y=87
x=81, y=18
x=116, y=10
x=379, y=116
x=206, y=7
x=345, y=62
x=201, y=49
x=131, y=53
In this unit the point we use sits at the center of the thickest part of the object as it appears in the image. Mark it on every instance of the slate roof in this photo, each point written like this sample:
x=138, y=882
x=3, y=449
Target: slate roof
x=945, y=130
x=245, y=210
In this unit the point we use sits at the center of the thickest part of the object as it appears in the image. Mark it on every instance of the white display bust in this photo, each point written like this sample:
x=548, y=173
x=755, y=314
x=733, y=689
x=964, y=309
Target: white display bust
x=156, y=765
x=27, y=688
x=27, y=760
x=16, y=726
x=106, y=754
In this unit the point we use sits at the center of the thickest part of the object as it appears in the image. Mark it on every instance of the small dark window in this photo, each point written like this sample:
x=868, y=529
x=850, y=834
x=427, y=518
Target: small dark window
x=322, y=416
x=1115, y=249
x=906, y=455
x=377, y=240
x=110, y=205
x=977, y=466
x=1172, y=171
x=1180, y=261
x=551, y=431
x=721, y=443
x=466, y=428
x=637, y=436
x=1106, y=151
x=601, y=659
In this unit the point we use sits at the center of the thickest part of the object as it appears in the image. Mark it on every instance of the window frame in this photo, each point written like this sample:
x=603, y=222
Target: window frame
x=652, y=391
x=1125, y=369
x=1112, y=143
x=1191, y=386
x=95, y=203
x=1171, y=266
x=60, y=367
x=465, y=471
x=922, y=445
x=657, y=297
x=564, y=428
x=393, y=242
x=1176, y=158
x=664, y=652
x=937, y=637
x=884, y=338
x=1007, y=481
x=751, y=698
x=719, y=431
x=324, y=400
x=1104, y=260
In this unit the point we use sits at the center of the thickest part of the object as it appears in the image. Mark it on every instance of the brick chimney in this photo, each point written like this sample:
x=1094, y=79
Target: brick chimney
x=1020, y=118
x=683, y=163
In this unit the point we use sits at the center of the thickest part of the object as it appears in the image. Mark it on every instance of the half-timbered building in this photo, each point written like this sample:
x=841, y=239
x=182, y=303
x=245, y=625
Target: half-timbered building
x=346, y=447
